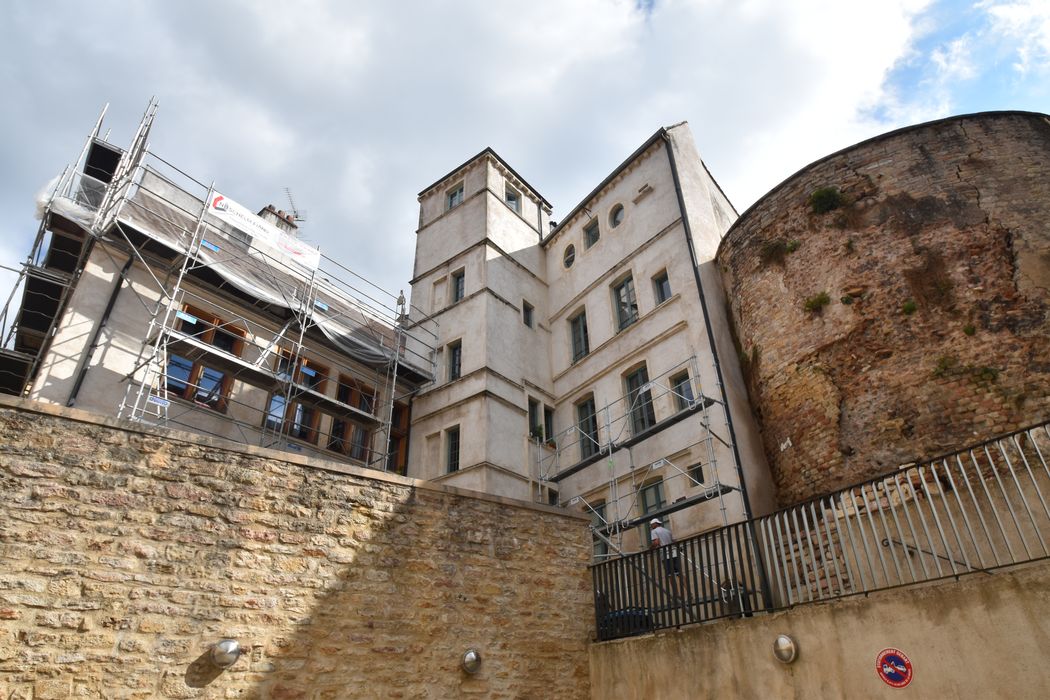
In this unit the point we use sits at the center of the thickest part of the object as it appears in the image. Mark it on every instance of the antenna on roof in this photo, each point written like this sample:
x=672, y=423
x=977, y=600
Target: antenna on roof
x=296, y=214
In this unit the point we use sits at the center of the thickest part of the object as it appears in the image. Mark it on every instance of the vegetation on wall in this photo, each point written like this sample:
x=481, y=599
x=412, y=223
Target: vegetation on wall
x=825, y=199
x=817, y=302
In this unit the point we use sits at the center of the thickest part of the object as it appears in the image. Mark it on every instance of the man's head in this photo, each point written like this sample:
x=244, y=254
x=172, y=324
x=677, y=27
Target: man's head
x=655, y=522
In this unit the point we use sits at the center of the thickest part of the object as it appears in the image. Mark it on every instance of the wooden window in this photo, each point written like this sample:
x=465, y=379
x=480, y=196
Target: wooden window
x=198, y=381
x=587, y=421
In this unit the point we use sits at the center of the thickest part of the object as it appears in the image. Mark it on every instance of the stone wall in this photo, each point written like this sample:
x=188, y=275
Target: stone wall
x=910, y=318
x=125, y=553
x=981, y=637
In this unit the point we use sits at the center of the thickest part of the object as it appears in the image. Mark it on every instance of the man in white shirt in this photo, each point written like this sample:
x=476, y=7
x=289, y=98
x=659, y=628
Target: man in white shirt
x=661, y=538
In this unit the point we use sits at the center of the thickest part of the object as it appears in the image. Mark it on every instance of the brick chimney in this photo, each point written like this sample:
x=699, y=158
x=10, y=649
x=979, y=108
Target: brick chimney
x=280, y=219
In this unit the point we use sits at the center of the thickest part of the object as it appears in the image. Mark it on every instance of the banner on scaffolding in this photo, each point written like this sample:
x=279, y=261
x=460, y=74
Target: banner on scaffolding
x=272, y=243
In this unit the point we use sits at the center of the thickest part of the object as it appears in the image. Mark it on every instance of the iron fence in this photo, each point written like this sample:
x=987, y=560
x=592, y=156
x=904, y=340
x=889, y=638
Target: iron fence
x=972, y=511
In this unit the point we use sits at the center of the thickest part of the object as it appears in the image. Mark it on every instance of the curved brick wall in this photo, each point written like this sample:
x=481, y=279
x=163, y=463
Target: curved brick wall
x=951, y=216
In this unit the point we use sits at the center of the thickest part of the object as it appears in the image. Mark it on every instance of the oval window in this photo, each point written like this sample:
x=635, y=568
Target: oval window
x=570, y=256
x=616, y=215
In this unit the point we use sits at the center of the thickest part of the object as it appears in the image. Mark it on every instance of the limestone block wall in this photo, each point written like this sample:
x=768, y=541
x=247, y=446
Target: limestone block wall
x=125, y=553
x=908, y=318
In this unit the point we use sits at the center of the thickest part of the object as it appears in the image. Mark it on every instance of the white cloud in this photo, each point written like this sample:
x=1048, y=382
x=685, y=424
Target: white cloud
x=1025, y=26
x=357, y=106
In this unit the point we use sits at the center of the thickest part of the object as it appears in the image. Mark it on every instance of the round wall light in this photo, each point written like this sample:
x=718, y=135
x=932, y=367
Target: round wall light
x=785, y=649
x=471, y=661
x=225, y=653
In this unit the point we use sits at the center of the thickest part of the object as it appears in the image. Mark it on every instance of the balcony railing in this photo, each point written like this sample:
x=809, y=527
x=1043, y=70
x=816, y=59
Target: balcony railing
x=973, y=511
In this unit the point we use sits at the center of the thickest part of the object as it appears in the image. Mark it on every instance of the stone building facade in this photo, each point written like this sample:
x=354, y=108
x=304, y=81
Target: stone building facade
x=892, y=300
x=585, y=363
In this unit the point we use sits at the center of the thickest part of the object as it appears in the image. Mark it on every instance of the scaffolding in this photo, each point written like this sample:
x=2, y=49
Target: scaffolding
x=619, y=425
x=248, y=332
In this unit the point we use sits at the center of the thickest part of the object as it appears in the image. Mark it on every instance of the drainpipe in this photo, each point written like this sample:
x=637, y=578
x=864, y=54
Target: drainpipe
x=98, y=332
x=714, y=355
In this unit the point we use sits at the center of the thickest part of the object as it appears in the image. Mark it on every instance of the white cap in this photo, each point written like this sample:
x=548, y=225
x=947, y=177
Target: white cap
x=655, y=521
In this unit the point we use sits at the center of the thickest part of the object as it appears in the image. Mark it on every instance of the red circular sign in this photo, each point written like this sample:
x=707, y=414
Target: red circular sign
x=893, y=667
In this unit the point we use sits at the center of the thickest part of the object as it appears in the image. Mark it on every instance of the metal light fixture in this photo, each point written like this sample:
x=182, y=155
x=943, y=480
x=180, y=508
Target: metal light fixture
x=785, y=649
x=225, y=653
x=471, y=661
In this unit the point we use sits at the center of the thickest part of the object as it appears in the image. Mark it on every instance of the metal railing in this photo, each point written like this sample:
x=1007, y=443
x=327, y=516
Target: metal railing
x=972, y=511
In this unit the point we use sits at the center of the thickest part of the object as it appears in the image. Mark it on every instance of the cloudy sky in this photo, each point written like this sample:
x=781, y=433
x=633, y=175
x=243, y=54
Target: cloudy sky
x=356, y=106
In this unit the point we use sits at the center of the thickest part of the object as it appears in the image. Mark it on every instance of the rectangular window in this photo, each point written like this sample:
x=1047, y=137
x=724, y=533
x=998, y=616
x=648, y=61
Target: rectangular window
x=455, y=360
x=548, y=424
x=640, y=401
x=459, y=285
x=587, y=422
x=552, y=497
x=652, y=498
x=527, y=313
x=355, y=394
x=196, y=381
x=696, y=474
x=626, y=303
x=662, y=287
x=454, y=196
x=298, y=420
x=591, y=234
x=535, y=426
x=601, y=547
x=513, y=199
x=578, y=331
x=452, y=449
x=397, y=456
x=683, y=390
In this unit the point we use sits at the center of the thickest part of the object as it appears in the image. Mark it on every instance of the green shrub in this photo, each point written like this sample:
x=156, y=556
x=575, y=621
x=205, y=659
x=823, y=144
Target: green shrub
x=909, y=307
x=817, y=302
x=945, y=364
x=969, y=329
x=792, y=246
x=826, y=199
x=847, y=300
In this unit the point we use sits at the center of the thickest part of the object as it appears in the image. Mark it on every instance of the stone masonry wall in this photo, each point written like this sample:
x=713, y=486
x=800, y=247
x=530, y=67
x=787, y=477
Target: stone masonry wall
x=927, y=287
x=126, y=553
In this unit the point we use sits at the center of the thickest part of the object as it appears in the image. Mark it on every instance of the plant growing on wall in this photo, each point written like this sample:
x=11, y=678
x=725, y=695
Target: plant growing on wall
x=826, y=199
x=817, y=302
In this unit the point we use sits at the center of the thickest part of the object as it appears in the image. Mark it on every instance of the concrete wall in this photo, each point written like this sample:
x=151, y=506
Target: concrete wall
x=952, y=216
x=981, y=637
x=125, y=553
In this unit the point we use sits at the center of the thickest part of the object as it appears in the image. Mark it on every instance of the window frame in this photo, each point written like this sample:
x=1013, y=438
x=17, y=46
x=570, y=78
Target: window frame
x=616, y=215
x=452, y=449
x=682, y=379
x=592, y=233
x=592, y=446
x=457, y=287
x=509, y=194
x=642, y=416
x=291, y=411
x=579, y=339
x=661, y=287
x=192, y=386
x=454, y=196
x=455, y=360
x=569, y=256
x=656, y=485
x=528, y=312
x=625, y=303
